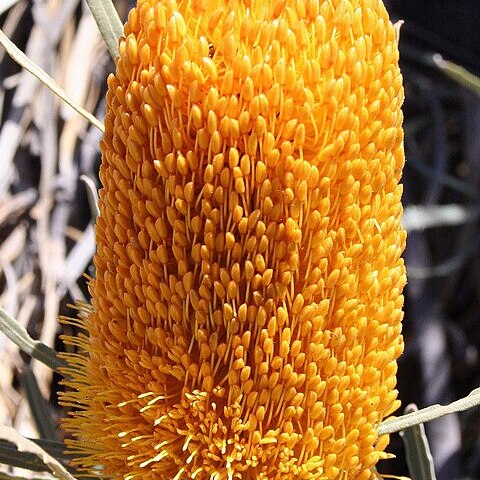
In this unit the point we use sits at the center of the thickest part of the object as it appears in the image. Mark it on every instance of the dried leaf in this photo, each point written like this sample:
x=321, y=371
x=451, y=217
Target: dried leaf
x=48, y=81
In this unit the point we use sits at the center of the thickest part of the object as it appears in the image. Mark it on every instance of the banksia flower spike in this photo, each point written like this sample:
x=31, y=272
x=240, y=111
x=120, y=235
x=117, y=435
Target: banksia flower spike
x=246, y=311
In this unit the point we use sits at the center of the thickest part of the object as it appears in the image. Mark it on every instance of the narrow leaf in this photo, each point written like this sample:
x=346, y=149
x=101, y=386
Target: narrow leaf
x=5, y=476
x=92, y=196
x=19, y=57
x=108, y=22
x=10, y=456
x=38, y=350
x=430, y=413
x=458, y=73
x=417, y=449
x=26, y=446
x=38, y=405
x=53, y=447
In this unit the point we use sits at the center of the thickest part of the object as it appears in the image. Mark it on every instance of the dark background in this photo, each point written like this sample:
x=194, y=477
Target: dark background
x=442, y=314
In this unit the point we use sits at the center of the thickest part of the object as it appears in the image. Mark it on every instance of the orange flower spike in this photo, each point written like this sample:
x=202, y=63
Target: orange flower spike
x=246, y=312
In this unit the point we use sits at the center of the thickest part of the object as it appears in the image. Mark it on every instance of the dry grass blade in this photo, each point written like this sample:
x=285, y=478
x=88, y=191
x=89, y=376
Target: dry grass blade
x=25, y=445
x=80, y=256
x=108, y=23
x=6, y=4
x=18, y=335
x=17, y=203
x=48, y=81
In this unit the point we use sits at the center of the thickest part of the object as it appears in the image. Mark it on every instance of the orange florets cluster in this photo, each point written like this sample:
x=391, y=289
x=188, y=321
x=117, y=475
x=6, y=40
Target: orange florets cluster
x=247, y=306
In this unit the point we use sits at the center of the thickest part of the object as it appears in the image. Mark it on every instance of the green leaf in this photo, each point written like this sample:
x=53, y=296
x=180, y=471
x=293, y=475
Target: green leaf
x=417, y=449
x=38, y=350
x=458, y=73
x=108, y=22
x=5, y=476
x=9, y=455
x=38, y=405
x=19, y=57
x=430, y=413
x=53, y=447
x=29, y=455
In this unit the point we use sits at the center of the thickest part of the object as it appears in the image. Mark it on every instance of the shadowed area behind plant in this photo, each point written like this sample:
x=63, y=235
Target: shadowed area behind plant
x=442, y=126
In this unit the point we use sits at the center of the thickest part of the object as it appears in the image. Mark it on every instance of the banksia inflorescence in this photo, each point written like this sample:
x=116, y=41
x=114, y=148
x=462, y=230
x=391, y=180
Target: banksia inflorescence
x=246, y=311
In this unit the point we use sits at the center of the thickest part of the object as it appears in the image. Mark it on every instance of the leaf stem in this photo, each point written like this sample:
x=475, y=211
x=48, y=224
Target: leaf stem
x=108, y=22
x=18, y=56
x=36, y=349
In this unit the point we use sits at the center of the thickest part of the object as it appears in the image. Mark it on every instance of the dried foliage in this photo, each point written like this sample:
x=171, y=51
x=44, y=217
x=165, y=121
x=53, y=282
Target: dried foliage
x=46, y=231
